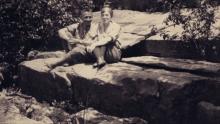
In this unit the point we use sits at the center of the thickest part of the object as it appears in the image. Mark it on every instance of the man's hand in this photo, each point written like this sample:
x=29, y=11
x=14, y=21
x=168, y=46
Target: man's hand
x=91, y=48
x=78, y=41
x=74, y=41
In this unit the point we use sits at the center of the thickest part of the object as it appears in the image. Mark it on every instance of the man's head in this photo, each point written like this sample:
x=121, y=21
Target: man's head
x=86, y=16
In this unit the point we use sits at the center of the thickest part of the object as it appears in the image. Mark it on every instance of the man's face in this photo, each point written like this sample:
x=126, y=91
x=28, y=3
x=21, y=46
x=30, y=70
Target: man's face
x=87, y=17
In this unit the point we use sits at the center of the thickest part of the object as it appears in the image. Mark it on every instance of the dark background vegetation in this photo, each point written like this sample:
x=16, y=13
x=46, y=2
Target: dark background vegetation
x=27, y=25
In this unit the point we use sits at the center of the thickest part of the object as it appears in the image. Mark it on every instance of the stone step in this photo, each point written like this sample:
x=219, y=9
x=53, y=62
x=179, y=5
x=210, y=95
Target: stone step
x=121, y=89
x=208, y=50
x=199, y=67
x=92, y=116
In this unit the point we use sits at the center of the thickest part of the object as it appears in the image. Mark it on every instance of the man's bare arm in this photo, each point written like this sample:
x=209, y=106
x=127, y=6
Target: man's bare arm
x=83, y=42
x=66, y=35
x=103, y=41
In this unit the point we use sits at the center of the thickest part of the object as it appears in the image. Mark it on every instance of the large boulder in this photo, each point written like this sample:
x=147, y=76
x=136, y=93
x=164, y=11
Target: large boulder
x=40, y=82
x=187, y=65
x=123, y=89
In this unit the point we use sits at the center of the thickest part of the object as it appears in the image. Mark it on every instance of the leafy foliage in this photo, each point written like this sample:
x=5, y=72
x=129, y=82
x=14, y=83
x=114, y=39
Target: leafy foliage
x=32, y=24
x=196, y=22
x=29, y=107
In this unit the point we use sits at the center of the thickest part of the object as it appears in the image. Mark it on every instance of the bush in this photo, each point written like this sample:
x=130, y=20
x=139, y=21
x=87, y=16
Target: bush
x=197, y=24
x=32, y=25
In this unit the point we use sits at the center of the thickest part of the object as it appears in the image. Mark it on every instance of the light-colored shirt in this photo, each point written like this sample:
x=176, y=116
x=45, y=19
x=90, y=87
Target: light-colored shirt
x=97, y=31
x=78, y=31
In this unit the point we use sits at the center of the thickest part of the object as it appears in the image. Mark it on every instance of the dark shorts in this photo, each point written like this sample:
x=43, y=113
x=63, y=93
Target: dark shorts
x=80, y=55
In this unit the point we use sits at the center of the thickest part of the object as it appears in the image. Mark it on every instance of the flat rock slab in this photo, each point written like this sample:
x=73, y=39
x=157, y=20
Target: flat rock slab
x=199, y=67
x=121, y=89
x=36, y=73
x=92, y=116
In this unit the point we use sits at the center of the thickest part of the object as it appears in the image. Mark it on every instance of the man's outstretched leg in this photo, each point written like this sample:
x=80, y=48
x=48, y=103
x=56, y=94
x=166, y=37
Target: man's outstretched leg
x=74, y=56
x=63, y=60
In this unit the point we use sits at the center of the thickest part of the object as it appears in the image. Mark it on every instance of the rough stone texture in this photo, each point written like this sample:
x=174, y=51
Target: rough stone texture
x=208, y=113
x=168, y=92
x=36, y=79
x=11, y=114
x=92, y=116
x=181, y=49
x=15, y=109
x=18, y=108
x=199, y=67
x=154, y=94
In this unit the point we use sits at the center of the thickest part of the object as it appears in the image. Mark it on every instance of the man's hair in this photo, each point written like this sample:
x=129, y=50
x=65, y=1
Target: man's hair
x=85, y=10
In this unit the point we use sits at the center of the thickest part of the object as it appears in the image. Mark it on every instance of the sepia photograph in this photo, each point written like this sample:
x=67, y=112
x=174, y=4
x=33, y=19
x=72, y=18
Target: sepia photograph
x=109, y=61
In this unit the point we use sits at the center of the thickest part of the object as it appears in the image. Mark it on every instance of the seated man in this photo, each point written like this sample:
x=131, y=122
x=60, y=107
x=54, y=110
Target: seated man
x=77, y=33
x=76, y=36
x=92, y=40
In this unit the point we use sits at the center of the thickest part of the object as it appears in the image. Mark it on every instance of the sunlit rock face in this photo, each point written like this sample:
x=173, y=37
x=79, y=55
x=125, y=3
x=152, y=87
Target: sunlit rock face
x=158, y=89
x=153, y=88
